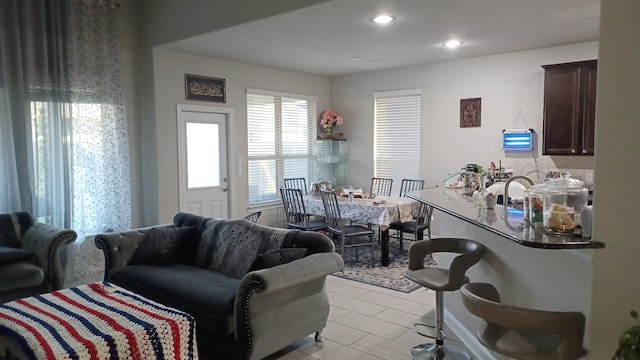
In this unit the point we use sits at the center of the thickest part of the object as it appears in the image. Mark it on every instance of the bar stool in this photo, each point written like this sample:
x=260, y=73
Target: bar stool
x=441, y=280
x=524, y=333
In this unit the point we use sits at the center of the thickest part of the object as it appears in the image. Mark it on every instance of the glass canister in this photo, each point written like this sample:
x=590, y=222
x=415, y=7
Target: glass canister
x=526, y=205
x=536, y=204
x=563, y=198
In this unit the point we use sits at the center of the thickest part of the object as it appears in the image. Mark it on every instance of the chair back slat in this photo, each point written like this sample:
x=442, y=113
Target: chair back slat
x=299, y=183
x=423, y=220
x=331, y=210
x=409, y=185
x=381, y=186
x=294, y=209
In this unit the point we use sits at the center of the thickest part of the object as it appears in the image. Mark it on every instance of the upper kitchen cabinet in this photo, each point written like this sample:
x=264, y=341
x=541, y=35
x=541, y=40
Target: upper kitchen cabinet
x=569, y=108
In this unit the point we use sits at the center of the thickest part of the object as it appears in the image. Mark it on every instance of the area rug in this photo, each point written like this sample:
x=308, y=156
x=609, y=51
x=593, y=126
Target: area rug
x=389, y=277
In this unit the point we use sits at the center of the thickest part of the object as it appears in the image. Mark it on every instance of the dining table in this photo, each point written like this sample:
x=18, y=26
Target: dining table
x=380, y=211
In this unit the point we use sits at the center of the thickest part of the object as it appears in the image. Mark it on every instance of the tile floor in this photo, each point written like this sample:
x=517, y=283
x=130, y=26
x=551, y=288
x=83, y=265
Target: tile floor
x=368, y=323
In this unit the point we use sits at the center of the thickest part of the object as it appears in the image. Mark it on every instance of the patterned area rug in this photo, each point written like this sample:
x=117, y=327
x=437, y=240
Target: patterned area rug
x=390, y=277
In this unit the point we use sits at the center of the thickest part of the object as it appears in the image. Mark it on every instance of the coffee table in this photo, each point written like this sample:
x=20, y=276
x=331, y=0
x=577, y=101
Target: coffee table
x=95, y=321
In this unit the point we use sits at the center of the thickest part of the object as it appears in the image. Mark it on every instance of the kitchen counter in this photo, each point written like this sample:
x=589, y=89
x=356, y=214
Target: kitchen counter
x=509, y=224
x=522, y=262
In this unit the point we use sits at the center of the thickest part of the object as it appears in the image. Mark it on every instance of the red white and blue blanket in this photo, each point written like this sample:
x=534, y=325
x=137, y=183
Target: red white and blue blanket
x=97, y=321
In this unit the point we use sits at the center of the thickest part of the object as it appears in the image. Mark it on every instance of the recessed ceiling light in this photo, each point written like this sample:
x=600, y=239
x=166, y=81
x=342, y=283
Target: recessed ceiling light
x=452, y=43
x=356, y=58
x=383, y=19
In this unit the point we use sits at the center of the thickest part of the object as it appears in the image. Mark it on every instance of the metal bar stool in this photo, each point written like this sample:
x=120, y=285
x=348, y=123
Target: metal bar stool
x=441, y=280
x=524, y=333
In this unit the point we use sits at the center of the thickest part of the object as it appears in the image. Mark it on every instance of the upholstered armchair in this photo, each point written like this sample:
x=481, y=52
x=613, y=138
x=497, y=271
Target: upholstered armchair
x=30, y=256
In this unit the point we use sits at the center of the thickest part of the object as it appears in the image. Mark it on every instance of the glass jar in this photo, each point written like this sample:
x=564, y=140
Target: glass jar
x=536, y=204
x=563, y=198
x=526, y=204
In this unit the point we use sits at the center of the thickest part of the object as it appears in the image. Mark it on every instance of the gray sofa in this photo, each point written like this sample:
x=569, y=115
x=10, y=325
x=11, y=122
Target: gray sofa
x=245, y=284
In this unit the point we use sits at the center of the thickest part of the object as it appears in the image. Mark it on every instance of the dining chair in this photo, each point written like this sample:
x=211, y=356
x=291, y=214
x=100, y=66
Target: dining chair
x=409, y=185
x=253, y=217
x=417, y=226
x=295, y=212
x=381, y=186
x=296, y=183
x=343, y=229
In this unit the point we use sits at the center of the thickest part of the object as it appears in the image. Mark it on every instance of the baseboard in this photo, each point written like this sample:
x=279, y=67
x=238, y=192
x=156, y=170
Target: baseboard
x=478, y=351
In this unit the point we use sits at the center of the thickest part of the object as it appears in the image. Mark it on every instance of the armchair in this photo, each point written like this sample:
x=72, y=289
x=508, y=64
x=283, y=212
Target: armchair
x=30, y=263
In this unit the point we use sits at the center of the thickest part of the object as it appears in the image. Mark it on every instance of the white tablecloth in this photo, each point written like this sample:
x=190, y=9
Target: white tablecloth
x=369, y=211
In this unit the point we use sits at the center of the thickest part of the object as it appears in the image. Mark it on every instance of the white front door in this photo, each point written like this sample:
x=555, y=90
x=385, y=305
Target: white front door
x=202, y=157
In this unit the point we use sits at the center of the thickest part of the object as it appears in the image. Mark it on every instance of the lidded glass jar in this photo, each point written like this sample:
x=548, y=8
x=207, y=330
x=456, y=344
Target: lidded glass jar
x=527, y=205
x=563, y=198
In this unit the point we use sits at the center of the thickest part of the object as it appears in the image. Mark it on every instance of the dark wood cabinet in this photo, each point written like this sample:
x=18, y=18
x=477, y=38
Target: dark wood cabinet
x=569, y=108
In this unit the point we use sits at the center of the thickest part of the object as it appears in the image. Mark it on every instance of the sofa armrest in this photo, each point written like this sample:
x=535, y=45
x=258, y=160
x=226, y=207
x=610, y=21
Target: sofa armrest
x=45, y=241
x=118, y=247
x=291, y=298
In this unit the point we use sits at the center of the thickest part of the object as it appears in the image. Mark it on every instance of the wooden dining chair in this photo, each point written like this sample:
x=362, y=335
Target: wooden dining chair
x=295, y=212
x=409, y=185
x=343, y=229
x=296, y=183
x=381, y=186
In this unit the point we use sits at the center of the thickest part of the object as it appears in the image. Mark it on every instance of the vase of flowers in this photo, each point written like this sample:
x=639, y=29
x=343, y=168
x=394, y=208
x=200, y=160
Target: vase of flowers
x=329, y=122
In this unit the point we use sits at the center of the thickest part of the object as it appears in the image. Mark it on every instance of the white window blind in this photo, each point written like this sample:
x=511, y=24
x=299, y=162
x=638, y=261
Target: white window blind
x=280, y=133
x=397, y=135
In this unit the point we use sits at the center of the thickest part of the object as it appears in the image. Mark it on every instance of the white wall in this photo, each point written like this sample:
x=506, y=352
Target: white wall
x=511, y=88
x=169, y=69
x=616, y=268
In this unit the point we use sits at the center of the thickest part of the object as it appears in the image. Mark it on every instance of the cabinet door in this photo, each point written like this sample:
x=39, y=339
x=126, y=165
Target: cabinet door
x=589, y=83
x=561, y=110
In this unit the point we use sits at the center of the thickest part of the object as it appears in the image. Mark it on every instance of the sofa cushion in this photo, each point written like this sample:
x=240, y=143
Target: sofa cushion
x=9, y=255
x=13, y=226
x=19, y=275
x=166, y=246
x=206, y=295
x=230, y=246
x=277, y=257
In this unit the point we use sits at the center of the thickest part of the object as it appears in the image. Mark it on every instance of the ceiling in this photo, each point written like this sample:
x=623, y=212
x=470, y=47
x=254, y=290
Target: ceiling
x=338, y=38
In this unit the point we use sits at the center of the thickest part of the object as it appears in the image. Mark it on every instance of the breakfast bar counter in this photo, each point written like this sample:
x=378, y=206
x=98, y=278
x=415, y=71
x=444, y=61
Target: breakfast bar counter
x=529, y=267
x=509, y=224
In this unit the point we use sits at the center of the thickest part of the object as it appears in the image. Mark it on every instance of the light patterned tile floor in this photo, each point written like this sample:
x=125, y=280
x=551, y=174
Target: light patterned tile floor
x=367, y=323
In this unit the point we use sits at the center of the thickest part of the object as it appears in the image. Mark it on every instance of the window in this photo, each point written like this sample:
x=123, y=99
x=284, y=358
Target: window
x=396, y=145
x=280, y=133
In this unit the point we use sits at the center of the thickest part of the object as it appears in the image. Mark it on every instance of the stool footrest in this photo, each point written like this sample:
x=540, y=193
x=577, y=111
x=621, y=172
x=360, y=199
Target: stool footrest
x=442, y=336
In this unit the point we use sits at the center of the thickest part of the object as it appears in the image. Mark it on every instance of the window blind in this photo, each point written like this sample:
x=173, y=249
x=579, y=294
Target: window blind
x=280, y=133
x=397, y=135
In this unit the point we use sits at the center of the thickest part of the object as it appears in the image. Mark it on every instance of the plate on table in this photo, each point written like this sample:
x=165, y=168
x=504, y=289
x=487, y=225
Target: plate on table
x=453, y=186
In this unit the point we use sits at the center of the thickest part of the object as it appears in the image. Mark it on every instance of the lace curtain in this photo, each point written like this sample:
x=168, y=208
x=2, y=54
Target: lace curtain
x=64, y=150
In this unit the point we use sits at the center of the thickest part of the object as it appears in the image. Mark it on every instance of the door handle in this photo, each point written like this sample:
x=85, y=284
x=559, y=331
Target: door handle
x=225, y=179
x=224, y=189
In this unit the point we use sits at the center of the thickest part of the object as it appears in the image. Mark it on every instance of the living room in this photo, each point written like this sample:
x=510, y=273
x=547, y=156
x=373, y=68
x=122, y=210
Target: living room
x=154, y=84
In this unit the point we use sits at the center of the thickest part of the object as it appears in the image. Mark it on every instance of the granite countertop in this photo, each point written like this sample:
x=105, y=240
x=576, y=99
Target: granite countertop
x=509, y=224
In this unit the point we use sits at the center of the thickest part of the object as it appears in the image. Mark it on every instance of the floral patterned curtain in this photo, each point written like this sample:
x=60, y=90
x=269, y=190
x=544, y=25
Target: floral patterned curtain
x=65, y=154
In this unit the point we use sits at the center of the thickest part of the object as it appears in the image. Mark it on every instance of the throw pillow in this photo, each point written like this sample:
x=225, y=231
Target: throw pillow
x=277, y=257
x=165, y=246
x=9, y=255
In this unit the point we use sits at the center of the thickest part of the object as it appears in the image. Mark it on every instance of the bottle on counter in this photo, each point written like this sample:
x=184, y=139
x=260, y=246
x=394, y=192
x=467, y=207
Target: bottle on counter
x=351, y=197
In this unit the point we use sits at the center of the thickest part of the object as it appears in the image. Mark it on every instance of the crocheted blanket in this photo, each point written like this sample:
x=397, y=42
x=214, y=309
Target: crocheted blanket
x=96, y=321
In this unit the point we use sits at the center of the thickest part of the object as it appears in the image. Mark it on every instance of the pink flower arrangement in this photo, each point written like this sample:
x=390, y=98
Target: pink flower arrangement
x=330, y=119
